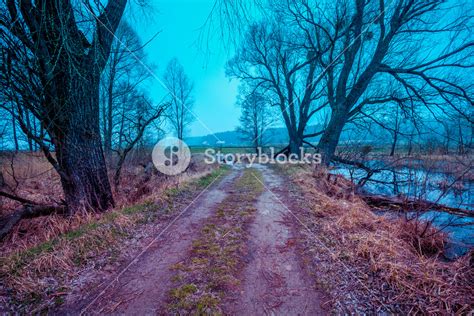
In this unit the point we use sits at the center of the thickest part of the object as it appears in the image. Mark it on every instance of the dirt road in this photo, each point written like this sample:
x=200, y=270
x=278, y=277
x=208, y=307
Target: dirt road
x=272, y=281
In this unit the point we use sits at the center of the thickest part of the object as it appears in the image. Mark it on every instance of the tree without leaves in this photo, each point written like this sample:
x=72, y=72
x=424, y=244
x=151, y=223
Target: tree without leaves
x=381, y=52
x=123, y=73
x=375, y=53
x=269, y=60
x=137, y=116
x=181, y=88
x=256, y=117
x=50, y=67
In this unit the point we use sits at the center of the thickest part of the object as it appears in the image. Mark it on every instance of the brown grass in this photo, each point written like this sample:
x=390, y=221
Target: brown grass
x=30, y=176
x=40, y=256
x=371, y=263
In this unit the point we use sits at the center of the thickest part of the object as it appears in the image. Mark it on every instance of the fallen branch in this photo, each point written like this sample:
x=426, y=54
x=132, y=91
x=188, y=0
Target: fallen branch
x=30, y=209
x=402, y=204
x=370, y=172
x=357, y=164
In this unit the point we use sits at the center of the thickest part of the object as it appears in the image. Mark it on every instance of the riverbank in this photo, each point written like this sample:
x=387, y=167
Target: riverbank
x=373, y=264
x=403, y=188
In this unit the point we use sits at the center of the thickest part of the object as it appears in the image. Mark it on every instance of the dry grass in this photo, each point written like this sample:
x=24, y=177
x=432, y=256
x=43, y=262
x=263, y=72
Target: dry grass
x=35, y=275
x=370, y=263
x=41, y=256
x=459, y=166
x=30, y=176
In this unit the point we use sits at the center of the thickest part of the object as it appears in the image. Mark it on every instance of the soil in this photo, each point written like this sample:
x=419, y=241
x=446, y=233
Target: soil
x=273, y=280
x=143, y=287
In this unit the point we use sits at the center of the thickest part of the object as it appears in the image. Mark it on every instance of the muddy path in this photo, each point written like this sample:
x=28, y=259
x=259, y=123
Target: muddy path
x=274, y=281
x=141, y=287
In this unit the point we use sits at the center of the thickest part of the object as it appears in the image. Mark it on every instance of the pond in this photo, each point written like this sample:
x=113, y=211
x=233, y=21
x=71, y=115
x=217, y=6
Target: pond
x=434, y=187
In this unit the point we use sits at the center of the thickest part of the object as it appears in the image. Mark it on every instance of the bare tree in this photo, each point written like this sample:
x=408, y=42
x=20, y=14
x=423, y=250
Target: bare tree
x=270, y=60
x=462, y=133
x=52, y=57
x=383, y=52
x=377, y=52
x=256, y=117
x=181, y=89
x=121, y=76
x=137, y=115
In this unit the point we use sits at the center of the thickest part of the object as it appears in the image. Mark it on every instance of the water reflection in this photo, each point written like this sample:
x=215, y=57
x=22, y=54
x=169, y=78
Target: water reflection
x=430, y=186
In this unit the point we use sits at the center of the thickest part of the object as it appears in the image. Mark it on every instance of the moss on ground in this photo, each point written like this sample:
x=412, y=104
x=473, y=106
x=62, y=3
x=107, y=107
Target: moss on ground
x=215, y=256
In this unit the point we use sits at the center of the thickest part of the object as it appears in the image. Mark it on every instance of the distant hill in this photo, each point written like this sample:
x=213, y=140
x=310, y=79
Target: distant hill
x=273, y=136
x=235, y=138
x=279, y=136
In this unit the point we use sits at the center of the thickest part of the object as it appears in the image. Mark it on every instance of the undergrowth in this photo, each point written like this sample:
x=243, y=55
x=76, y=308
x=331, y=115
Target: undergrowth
x=369, y=263
x=37, y=276
x=210, y=269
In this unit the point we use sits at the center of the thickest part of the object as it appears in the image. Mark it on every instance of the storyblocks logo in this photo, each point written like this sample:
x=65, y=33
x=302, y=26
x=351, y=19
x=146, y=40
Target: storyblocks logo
x=171, y=156
x=260, y=157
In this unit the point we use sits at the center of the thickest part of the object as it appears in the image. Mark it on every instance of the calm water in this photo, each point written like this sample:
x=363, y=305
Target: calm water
x=428, y=186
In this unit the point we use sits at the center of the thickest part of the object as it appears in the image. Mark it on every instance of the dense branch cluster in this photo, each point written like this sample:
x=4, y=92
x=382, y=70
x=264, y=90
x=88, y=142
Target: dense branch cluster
x=352, y=60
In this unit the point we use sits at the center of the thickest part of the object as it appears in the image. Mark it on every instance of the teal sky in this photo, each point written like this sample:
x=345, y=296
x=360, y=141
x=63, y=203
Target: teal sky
x=179, y=22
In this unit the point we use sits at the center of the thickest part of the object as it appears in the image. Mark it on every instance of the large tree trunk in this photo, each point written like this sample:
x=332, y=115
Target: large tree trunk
x=84, y=175
x=67, y=67
x=79, y=151
x=330, y=138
